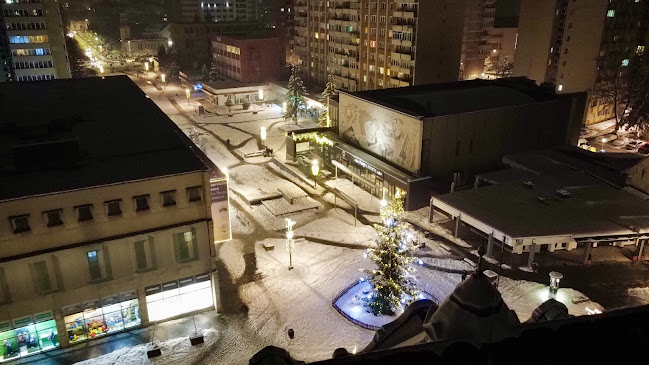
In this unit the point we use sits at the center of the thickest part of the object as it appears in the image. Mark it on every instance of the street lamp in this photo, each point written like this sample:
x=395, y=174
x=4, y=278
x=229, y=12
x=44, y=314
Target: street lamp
x=603, y=141
x=315, y=169
x=555, y=277
x=101, y=71
x=188, y=95
x=284, y=107
x=163, y=79
x=290, y=244
x=263, y=136
x=146, y=66
x=169, y=42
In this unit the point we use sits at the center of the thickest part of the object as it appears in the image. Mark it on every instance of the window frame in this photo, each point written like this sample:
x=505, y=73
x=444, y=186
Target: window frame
x=84, y=219
x=138, y=198
x=194, y=188
x=12, y=221
x=173, y=195
x=46, y=215
x=119, y=206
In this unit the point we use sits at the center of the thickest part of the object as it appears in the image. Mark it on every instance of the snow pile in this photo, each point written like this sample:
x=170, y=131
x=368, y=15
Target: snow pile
x=641, y=294
x=231, y=254
x=338, y=226
x=174, y=351
x=281, y=206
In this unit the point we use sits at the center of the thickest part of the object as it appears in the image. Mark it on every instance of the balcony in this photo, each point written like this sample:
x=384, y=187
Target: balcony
x=404, y=21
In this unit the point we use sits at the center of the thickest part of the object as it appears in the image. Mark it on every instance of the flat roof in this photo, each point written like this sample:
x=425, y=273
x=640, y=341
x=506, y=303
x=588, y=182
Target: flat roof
x=459, y=97
x=122, y=136
x=593, y=207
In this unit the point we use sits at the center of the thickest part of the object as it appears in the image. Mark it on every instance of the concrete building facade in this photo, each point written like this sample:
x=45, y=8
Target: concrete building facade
x=249, y=57
x=571, y=44
x=98, y=241
x=374, y=44
x=35, y=34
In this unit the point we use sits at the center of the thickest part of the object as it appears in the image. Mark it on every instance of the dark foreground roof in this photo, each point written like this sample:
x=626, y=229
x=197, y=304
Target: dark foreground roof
x=71, y=134
x=459, y=97
x=619, y=335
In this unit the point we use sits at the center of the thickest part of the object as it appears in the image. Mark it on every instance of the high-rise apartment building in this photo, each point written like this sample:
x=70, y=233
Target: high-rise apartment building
x=186, y=11
x=35, y=35
x=575, y=44
x=487, y=46
x=369, y=44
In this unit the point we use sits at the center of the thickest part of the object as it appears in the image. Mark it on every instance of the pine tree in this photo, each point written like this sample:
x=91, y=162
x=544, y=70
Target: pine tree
x=393, y=286
x=174, y=68
x=329, y=92
x=295, y=95
x=205, y=73
x=214, y=72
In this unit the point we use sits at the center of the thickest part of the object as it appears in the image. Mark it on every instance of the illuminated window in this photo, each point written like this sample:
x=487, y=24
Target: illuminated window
x=625, y=62
x=186, y=246
x=560, y=87
x=610, y=13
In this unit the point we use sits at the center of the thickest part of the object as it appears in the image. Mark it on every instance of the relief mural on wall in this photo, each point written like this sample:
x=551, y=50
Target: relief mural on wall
x=394, y=136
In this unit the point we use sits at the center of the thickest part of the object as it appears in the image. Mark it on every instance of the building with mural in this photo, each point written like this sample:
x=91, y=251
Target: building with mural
x=103, y=230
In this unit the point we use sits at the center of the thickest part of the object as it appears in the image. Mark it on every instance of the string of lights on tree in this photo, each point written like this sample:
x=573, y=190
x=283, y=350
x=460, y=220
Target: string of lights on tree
x=393, y=283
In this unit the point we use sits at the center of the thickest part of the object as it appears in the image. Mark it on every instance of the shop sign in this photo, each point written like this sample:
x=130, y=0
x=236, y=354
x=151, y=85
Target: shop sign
x=91, y=304
x=202, y=277
x=365, y=165
x=109, y=300
x=4, y=326
x=219, y=190
x=153, y=289
x=170, y=285
x=43, y=316
x=22, y=322
x=71, y=309
x=127, y=295
x=186, y=281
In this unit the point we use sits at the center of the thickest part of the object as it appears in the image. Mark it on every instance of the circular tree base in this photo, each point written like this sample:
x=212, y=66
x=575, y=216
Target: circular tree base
x=351, y=303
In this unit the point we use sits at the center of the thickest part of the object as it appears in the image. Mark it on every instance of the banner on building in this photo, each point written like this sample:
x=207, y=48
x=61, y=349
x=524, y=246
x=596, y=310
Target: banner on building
x=220, y=208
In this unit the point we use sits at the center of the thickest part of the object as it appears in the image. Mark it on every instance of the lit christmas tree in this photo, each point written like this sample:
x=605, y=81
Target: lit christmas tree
x=392, y=281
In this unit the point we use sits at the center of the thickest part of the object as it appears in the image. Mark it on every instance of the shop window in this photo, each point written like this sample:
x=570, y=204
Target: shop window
x=84, y=212
x=20, y=223
x=28, y=335
x=168, y=198
x=194, y=194
x=53, y=218
x=111, y=315
x=177, y=297
x=145, y=258
x=141, y=202
x=98, y=264
x=185, y=246
x=114, y=207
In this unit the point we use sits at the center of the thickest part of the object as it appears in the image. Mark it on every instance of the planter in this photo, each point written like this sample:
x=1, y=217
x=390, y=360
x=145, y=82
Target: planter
x=153, y=350
x=196, y=339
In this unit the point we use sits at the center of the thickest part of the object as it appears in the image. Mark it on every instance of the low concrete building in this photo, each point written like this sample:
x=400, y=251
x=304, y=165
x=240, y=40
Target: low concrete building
x=562, y=198
x=247, y=57
x=106, y=214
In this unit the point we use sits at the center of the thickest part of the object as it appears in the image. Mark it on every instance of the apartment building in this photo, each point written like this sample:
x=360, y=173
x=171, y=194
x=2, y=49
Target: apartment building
x=185, y=11
x=576, y=44
x=252, y=57
x=487, y=47
x=106, y=215
x=35, y=34
x=374, y=44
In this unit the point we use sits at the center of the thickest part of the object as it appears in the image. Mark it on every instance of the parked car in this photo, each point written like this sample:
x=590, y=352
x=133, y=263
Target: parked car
x=634, y=145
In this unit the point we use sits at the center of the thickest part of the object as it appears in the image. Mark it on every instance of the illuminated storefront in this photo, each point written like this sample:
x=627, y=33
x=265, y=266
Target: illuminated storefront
x=177, y=297
x=98, y=317
x=28, y=335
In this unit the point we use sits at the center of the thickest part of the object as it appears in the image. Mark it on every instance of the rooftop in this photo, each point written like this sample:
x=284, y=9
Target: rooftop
x=72, y=134
x=459, y=97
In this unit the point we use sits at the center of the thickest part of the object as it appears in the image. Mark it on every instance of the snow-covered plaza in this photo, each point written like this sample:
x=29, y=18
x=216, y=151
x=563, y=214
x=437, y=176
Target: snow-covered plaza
x=261, y=299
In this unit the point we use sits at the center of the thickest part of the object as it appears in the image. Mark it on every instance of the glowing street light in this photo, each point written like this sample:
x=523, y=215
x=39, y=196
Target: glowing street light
x=603, y=141
x=315, y=169
x=188, y=95
x=101, y=71
x=290, y=244
x=169, y=42
x=284, y=107
x=263, y=136
x=151, y=60
x=146, y=66
x=261, y=94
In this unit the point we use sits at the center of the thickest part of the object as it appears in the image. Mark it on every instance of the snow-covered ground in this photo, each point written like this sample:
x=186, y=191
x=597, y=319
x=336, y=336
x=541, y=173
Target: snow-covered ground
x=365, y=200
x=224, y=132
x=338, y=226
x=257, y=183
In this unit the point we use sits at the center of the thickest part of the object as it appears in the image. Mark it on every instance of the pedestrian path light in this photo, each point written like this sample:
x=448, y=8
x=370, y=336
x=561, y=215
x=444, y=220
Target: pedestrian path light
x=315, y=169
x=188, y=95
x=290, y=244
x=146, y=66
x=263, y=136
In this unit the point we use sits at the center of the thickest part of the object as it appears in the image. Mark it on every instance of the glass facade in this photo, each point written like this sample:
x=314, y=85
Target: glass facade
x=28, y=335
x=177, y=297
x=99, y=317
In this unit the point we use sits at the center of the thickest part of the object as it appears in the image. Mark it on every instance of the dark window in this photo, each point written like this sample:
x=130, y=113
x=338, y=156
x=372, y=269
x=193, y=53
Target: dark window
x=93, y=265
x=194, y=194
x=114, y=207
x=141, y=202
x=168, y=198
x=20, y=223
x=84, y=212
x=53, y=218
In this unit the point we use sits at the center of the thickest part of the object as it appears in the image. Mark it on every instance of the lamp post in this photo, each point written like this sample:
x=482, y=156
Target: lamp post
x=163, y=78
x=188, y=95
x=603, y=141
x=101, y=71
x=555, y=278
x=290, y=244
x=315, y=169
x=146, y=66
x=263, y=136
x=261, y=97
